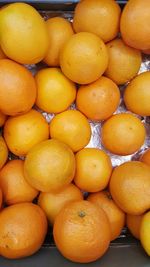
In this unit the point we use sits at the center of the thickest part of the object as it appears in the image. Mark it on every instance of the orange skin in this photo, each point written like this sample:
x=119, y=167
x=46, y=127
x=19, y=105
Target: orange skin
x=133, y=223
x=23, y=228
x=123, y=134
x=17, y=84
x=145, y=232
x=13, y=184
x=3, y=118
x=130, y=187
x=3, y=152
x=82, y=232
x=145, y=157
x=115, y=215
x=52, y=203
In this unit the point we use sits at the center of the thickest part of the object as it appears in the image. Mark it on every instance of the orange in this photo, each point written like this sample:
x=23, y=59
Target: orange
x=135, y=22
x=134, y=224
x=81, y=232
x=55, y=92
x=145, y=232
x=130, y=187
x=3, y=118
x=145, y=157
x=13, y=184
x=97, y=16
x=52, y=203
x=2, y=55
x=72, y=128
x=93, y=169
x=115, y=215
x=24, y=36
x=147, y=52
x=84, y=58
x=137, y=94
x=17, y=88
x=123, y=134
x=124, y=61
x=23, y=228
x=22, y=132
x=98, y=100
x=3, y=152
x=49, y=166
x=59, y=31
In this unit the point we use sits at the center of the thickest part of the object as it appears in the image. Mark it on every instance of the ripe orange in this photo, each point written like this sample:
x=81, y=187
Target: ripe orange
x=145, y=232
x=147, y=52
x=130, y=187
x=124, y=61
x=24, y=36
x=49, y=166
x=84, y=58
x=22, y=132
x=3, y=152
x=17, y=90
x=137, y=94
x=98, y=100
x=23, y=228
x=2, y=55
x=135, y=22
x=115, y=215
x=55, y=92
x=123, y=134
x=59, y=31
x=93, y=169
x=146, y=157
x=3, y=118
x=82, y=232
x=72, y=128
x=97, y=16
x=13, y=184
x=134, y=224
x=52, y=203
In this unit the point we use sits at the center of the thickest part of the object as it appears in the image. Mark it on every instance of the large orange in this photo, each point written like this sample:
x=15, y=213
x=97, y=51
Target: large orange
x=17, y=88
x=93, y=169
x=22, y=132
x=124, y=61
x=145, y=157
x=49, y=166
x=55, y=92
x=23, y=228
x=115, y=215
x=3, y=152
x=13, y=184
x=98, y=100
x=59, y=31
x=130, y=187
x=134, y=224
x=135, y=21
x=52, y=203
x=82, y=232
x=84, y=58
x=72, y=128
x=145, y=232
x=98, y=16
x=137, y=94
x=123, y=134
x=3, y=118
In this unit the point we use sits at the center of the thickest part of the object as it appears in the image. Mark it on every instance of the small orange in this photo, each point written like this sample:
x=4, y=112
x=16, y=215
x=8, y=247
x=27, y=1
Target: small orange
x=130, y=187
x=3, y=118
x=22, y=132
x=55, y=92
x=52, y=203
x=17, y=88
x=59, y=31
x=145, y=157
x=49, y=166
x=98, y=16
x=137, y=94
x=115, y=215
x=3, y=152
x=23, y=228
x=134, y=224
x=84, y=58
x=13, y=184
x=123, y=134
x=98, y=100
x=72, y=128
x=124, y=61
x=82, y=232
x=145, y=232
x=93, y=169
